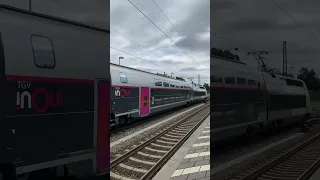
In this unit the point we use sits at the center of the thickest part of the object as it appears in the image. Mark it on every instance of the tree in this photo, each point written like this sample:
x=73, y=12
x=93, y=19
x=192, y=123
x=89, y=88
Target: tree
x=224, y=53
x=180, y=78
x=310, y=78
x=206, y=85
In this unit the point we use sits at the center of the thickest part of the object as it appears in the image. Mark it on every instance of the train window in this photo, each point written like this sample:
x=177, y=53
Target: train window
x=43, y=53
x=230, y=80
x=251, y=82
x=291, y=82
x=165, y=84
x=171, y=85
x=181, y=86
x=123, y=77
x=177, y=86
x=216, y=79
x=241, y=80
x=158, y=83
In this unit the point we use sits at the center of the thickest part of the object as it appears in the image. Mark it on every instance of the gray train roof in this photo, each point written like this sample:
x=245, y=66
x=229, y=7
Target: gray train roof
x=8, y=7
x=140, y=78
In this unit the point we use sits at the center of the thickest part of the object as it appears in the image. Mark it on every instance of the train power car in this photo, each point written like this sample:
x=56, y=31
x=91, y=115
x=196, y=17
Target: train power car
x=199, y=93
x=288, y=98
x=137, y=93
x=245, y=100
x=56, y=97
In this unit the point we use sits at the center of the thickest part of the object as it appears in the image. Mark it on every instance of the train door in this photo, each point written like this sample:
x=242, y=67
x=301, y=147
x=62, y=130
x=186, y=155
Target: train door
x=102, y=98
x=144, y=101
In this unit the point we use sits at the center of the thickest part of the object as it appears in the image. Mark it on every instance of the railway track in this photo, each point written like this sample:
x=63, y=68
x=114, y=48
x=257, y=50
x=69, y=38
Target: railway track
x=144, y=160
x=299, y=163
x=132, y=124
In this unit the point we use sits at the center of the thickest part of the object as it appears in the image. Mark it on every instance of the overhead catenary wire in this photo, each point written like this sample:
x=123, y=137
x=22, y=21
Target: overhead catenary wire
x=173, y=25
x=135, y=56
x=297, y=22
x=139, y=45
x=163, y=32
x=179, y=75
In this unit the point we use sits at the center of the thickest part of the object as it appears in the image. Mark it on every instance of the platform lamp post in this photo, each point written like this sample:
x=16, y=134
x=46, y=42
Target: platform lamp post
x=120, y=58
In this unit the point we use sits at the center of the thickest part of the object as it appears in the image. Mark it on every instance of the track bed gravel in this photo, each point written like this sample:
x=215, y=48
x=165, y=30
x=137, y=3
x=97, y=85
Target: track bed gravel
x=260, y=159
x=120, y=148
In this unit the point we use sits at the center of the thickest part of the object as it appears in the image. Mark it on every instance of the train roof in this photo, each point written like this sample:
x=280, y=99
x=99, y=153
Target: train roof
x=125, y=67
x=11, y=8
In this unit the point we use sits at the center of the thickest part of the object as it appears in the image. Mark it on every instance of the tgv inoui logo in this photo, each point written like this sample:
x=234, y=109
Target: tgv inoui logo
x=121, y=92
x=28, y=100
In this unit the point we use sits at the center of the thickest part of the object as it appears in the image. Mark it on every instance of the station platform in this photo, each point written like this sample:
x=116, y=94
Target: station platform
x=192, y=160
x=316, y=175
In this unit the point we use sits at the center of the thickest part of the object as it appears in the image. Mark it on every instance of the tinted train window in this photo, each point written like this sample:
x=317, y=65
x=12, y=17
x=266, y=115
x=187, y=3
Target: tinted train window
x=158, y=83
x=123, y=77
x=251, y=82
x=229, y=80
x=241, y=80
x=43, y=53
x=165, y=84
x=177, y=86
x=216, y=79
x=291, y=82
x=171, y=85
x=181, y=86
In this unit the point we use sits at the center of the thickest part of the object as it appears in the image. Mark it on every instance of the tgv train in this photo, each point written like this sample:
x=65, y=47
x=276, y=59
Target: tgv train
x=55, y=97
x=245, y=100
x=137, y=93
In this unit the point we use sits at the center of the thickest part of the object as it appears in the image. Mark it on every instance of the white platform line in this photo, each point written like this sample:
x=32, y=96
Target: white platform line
x=246, y=156
x=201, y=144
x=194, y=155
x=150, y=127
x=204, y=137
x=191, y=170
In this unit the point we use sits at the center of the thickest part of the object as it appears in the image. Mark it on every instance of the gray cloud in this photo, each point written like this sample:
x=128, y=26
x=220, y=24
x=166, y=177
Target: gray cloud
x=261, y=25
x=193, y=26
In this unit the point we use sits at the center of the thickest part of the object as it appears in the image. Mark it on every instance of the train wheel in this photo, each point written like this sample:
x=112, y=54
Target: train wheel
x=123, y=120
x=249, y=132
x=24, y=176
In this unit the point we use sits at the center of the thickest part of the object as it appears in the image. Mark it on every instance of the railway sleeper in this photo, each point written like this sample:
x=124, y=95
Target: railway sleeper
x=281, y=169
x=155, y=150
x=169, y=139
x=166, y=142
x=137, y=170
x=161, y=146
x=118, y=177
x=136, y=164
x=276, y=177
x=142, y=161
x=173, y=137
x=281, y=173
x=179, y=131
x=149, y=155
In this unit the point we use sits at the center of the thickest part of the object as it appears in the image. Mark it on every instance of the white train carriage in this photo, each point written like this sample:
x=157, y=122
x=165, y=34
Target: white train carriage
x=244, y=100
x=55, y=99
x=289, y=100
x=137, y=93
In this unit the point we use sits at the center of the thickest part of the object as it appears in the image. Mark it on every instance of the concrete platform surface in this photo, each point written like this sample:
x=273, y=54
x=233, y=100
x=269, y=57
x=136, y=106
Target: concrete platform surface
x=192, y=160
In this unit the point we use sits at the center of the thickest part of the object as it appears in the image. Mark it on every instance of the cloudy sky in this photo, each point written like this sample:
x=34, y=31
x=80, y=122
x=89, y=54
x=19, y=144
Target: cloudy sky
x=145, y=47
x=262, y=25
